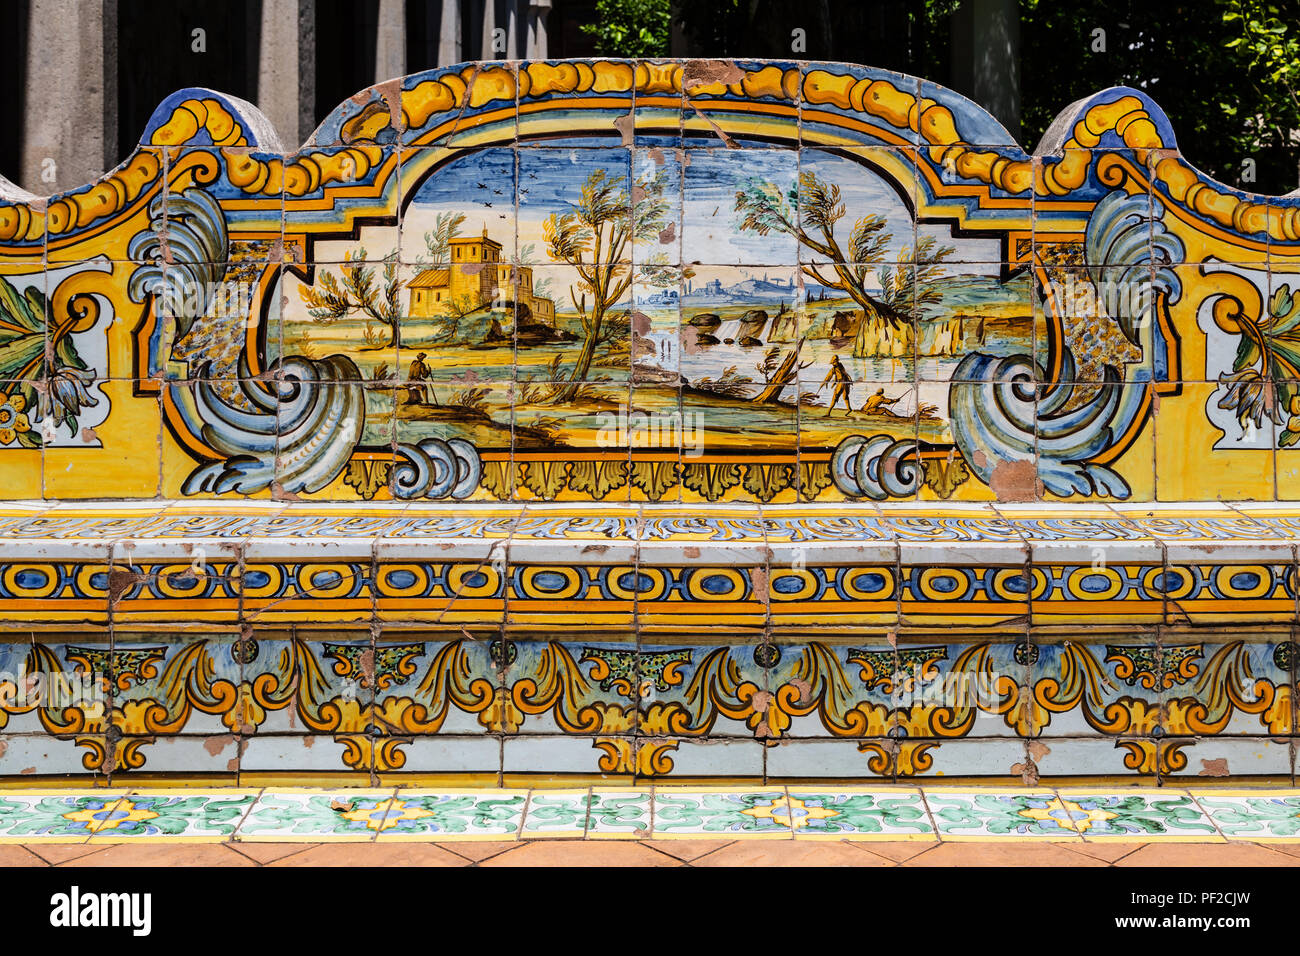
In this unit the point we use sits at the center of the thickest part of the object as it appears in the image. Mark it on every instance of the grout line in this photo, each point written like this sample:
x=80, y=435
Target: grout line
x=1129, y=853
x=523, y=816
x=1208, y=816
x=257, y=798
x=929, y=813
x=1073, y=824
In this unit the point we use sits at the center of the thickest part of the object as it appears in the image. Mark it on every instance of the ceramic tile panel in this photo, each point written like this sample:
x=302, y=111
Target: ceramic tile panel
x=415, y=814
x=554, y=95
x=558, y=813
x=952, y=270
x=615, y=422
x=1172, y=814
x=159, y=815
x=306, y=816
x=979, y=814
x=809, y=812
x=859, y=814
x=308, y=698
x=1250, y=815
x=694, y=813
x=618, y=814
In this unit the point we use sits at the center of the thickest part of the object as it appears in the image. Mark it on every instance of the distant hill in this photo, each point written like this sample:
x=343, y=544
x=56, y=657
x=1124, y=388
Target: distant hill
x=754, y=290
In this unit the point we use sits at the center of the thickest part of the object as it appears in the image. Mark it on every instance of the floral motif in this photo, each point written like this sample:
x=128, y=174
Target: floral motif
x=1265, y=377
x=110, y=817
x=50, y=380
x=13, y=418
x=1067, y=813
x=792, y=813
x=386, y=814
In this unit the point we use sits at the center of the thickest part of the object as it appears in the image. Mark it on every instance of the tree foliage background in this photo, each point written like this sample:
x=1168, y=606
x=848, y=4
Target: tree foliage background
x=1227, y=72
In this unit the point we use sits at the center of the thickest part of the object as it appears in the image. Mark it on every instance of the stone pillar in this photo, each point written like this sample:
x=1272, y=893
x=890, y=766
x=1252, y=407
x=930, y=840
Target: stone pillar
x=537, y=13
x=70, y=104
x=489, y=27
x=986, y=57
x=390, y=40
x=279, y=66
x=512, y=31
x=449, y=33
x=306, y=70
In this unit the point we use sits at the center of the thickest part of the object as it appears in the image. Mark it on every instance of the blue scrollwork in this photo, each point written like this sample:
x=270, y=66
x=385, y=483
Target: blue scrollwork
x=434, y=468
x=295, y=425
x=1000, y=415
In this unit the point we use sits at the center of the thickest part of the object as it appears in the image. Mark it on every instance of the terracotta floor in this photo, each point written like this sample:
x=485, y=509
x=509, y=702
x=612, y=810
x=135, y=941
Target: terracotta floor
x=656, y=853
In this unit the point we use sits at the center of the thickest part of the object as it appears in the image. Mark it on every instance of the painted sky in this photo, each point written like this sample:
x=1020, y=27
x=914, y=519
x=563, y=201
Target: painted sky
x=701, y=189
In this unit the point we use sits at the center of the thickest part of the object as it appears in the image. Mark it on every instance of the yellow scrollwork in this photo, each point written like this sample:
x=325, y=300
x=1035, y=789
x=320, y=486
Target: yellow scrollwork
x=194, y=115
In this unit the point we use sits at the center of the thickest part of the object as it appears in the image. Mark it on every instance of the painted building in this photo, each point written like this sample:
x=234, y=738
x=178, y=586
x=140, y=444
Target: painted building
x=475, y=276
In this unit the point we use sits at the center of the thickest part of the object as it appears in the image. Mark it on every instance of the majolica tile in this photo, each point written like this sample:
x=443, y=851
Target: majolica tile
x=853, y=814
x=304, y=815
x=558, y=687
x=1129, y=816
x=664, y=761
x=548, y=90
x=721, y=99
x=486, y=94
x=557, y=813
x=994, y=761
x=692, y=691
x=657, y=239
x=1252, y=703
x=150, y=814
x=1246, y=815
x=59, y=760
x=1258, y=760
x=686, y=813
x=85, y=421
x=56, y=817
x=619, y=814
x=1134, y=759
x=715, y=233
x=455, y=815
x=976, y=814
x=866, y=757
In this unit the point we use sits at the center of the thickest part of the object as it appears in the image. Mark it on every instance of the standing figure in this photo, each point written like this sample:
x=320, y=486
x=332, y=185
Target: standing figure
x=840, y=377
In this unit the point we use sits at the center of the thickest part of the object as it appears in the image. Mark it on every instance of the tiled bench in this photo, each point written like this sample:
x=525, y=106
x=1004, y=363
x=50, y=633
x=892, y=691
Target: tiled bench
x=644, y=422
x=786, y=642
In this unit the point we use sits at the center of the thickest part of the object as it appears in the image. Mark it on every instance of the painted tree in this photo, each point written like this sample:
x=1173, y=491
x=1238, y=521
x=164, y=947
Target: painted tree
x=356, y=291
x=438, y=240
x=810, y=212
x=915, y=284
x=593, y=237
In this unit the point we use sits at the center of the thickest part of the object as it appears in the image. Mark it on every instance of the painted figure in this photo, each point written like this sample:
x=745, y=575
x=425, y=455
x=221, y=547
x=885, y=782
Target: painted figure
x=417, y=392
x=840, y=377
x=874, y=403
